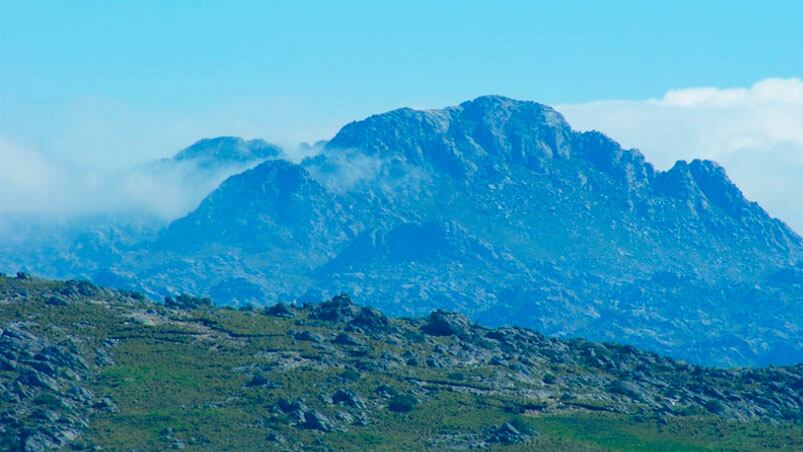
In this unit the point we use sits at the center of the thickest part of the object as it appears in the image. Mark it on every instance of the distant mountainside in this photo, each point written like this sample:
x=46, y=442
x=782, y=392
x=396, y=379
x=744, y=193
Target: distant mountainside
x=88, y=368
x=498, y=209
x=225, y=151
x=85, y=244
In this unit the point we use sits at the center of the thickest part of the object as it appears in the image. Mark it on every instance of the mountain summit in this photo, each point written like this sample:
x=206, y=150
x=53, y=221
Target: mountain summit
x=498, y=209
x=223, y=151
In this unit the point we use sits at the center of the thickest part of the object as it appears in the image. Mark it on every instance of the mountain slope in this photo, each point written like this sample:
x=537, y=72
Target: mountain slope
x=580, y=236
x=95, y=245
x=498, y=209
x=83, y=367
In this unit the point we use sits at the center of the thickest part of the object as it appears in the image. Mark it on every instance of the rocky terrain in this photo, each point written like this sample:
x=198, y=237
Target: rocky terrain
x=84, y=367
x=494, y=208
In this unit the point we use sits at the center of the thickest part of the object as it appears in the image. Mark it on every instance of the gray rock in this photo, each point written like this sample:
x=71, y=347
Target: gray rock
x=346, y=397
x=307, y=335
x=275, y=438
x=294, y=410
x=360, y=420
x=347, y=339
x=259, y=380
x=106, y=404
x=56, y=301
x=7, y=364
x=40, y=441
x=443, y=323
x=339, y=309
x=370, y=320
x=280, y=310
x=627, y=388
x=314, y=420
x=507, y=434
x=31, y=377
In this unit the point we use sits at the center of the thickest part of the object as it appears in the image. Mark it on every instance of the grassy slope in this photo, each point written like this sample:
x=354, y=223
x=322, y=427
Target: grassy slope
x=178, y=375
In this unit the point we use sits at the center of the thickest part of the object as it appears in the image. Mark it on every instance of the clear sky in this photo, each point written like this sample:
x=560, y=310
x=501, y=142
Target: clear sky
x=116, y=82
x=338, y=60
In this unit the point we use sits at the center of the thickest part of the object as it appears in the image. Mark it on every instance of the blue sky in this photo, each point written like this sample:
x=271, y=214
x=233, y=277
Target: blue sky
x=338, y=60
x=108, y=84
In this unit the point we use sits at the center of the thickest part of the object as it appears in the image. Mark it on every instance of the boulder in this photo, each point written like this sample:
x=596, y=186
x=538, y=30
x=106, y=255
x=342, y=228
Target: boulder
x=106, y=404
x=35, y=378
x=346, y=397
x=78, y=288
x=314, y=420
x=370, y=319
x=339, y=309
x=507, y=433
x=55, y=301
x=185, y=301
x=628, y=389
x=260, y=381
x=280, y=310
x=346, y=339
x=294, y=410
x=309, y=336
x=443, y=323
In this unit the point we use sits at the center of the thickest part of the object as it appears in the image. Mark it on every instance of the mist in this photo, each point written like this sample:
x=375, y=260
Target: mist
x=35, y=185
x=107, y=168
x=755, y=133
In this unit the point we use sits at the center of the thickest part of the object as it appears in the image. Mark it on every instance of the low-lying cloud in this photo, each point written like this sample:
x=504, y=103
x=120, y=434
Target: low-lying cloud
x=756, y=133
x=34, y=184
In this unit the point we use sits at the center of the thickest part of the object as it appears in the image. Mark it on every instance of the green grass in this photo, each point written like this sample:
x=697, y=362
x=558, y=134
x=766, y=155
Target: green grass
x=182, y=375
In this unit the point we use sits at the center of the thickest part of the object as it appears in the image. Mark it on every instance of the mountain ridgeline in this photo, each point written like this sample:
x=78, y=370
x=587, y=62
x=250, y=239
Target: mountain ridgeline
x=497, y=209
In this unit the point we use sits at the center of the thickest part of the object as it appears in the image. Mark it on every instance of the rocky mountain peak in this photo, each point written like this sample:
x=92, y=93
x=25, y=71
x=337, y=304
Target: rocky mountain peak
x=499, y=110
x=487, y=133
x=717, y=186
x=706, y=183
x=227, y=150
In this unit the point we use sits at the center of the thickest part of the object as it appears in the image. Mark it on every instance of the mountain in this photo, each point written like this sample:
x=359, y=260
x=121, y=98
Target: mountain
x=498, y=209
x=227, y=151
x=88, y=368
x=89, y=243
x=192, y=173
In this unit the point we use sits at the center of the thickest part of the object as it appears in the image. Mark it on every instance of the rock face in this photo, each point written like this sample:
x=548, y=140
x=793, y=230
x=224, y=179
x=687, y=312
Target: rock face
x=499, y=210
x=45, y=372
x=441, y=323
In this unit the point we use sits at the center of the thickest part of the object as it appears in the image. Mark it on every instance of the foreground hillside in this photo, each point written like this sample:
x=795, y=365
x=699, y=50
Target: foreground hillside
x=82, y=366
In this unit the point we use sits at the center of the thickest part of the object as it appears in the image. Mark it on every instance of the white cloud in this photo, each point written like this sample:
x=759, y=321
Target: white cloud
x=756, y=133
x=26, y=178
x=32, y=183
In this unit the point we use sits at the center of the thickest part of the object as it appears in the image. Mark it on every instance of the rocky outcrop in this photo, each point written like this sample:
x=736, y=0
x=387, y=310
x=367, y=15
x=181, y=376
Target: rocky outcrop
x=44, y=371
x=339, y=370
x=442, y=323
